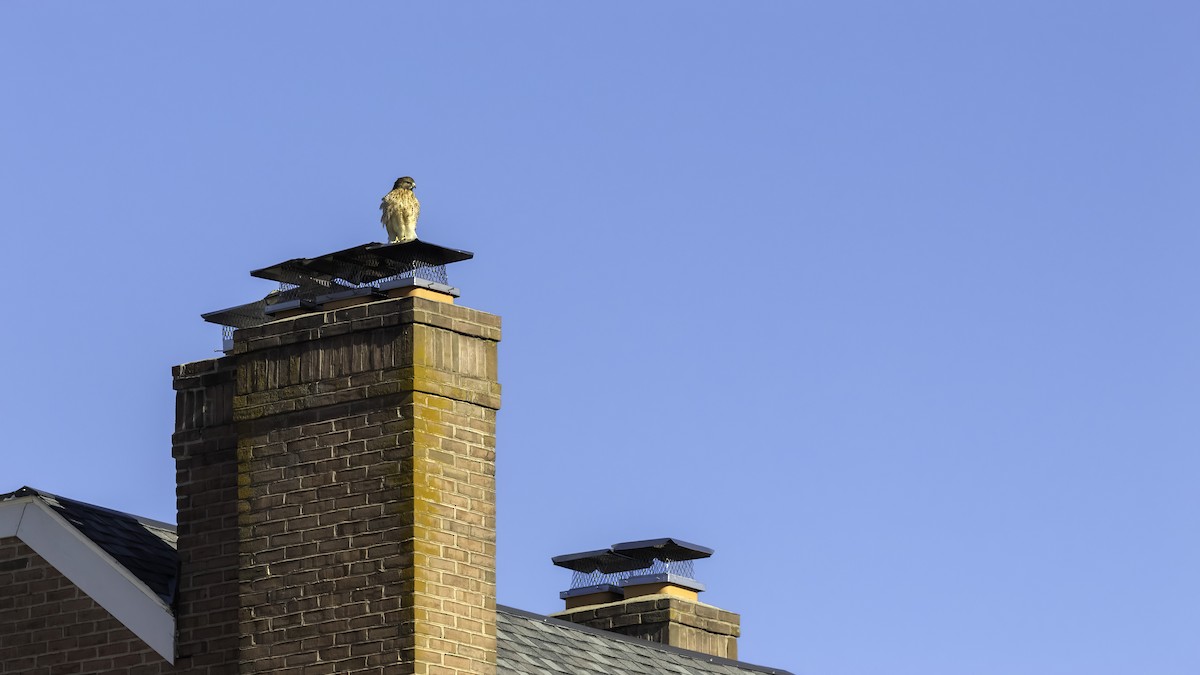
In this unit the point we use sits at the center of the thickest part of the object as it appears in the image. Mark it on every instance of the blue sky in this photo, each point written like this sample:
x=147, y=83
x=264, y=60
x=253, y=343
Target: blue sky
x=890, y=303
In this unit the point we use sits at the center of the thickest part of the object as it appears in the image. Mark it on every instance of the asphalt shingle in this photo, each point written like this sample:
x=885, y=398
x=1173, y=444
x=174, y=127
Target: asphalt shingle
x=532, y=644
x=144, y=547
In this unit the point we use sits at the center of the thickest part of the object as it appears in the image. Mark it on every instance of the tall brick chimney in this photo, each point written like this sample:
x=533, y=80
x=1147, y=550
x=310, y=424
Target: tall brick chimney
x=647, y=589
x=337, y=474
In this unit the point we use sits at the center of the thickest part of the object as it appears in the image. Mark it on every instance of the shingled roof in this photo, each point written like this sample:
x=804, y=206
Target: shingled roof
x=532, y=644
x=527, y=643
x=144, y=547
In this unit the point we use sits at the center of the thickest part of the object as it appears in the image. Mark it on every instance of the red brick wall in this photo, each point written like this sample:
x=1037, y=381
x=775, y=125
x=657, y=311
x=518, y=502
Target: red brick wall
x=49, y=626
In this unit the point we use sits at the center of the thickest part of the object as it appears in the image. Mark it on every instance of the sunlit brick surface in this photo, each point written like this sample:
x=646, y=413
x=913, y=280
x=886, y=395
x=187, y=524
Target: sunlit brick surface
x=366, y=490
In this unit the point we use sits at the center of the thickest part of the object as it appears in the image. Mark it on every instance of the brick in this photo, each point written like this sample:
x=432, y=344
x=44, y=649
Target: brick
x=666, y=619
x=334, y=513
x=72, y=633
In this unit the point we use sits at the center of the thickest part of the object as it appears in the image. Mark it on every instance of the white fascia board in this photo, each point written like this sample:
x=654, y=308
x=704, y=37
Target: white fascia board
x=95, y=572
x=10, y=516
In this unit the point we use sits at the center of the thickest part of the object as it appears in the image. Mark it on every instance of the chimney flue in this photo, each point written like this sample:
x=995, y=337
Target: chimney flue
x=648, y=589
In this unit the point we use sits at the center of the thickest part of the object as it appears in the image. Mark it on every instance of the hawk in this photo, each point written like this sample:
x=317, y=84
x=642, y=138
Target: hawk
x=400, y=210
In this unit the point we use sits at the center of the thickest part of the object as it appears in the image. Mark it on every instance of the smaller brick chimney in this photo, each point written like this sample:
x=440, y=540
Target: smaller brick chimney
x=647, y=589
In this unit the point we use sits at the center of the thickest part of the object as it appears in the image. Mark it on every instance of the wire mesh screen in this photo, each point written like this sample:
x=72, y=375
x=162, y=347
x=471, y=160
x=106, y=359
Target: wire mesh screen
x=366, y=269
x=682, y=568
x=308, y=283
x=418, y=270
x=596, y=578
x=245, y=316
x=350, y=276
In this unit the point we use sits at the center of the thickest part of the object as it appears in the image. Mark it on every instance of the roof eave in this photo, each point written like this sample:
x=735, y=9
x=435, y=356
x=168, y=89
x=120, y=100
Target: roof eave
x=94, y=571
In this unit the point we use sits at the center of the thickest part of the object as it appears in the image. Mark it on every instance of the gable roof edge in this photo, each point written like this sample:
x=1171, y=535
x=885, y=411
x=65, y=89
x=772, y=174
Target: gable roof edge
x=94, y=571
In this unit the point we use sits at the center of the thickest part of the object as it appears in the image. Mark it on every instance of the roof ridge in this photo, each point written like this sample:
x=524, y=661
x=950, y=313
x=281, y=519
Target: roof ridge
x=26, y=491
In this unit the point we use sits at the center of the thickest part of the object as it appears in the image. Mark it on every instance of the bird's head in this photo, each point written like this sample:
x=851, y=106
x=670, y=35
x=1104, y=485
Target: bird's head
x=405, y=182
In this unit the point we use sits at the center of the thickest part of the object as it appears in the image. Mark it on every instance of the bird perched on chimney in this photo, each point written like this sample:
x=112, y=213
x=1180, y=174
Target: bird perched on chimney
x=400, y=210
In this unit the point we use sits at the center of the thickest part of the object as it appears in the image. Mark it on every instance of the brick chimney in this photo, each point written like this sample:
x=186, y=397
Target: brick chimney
x=647, y=589
x=337, y=474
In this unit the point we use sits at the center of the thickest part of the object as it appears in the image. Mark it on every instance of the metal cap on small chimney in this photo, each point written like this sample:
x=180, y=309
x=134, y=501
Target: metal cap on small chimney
x=631, y=569
x=344, y=278
x=669, y=567
x=597, y=576
x=647, y=589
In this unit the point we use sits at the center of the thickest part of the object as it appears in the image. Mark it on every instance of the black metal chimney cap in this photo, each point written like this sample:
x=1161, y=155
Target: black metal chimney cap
x=603, y=561
x=364, y=263
x=662, y=549
x=631, y=555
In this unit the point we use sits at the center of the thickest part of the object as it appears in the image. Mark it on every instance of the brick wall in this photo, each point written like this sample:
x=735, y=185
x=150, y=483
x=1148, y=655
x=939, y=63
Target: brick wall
x=666, y=619
x=204, y=446
x=365, y=465
x=48, y=625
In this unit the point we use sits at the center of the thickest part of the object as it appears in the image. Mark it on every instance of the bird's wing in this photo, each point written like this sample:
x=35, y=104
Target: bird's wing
x=388, y=205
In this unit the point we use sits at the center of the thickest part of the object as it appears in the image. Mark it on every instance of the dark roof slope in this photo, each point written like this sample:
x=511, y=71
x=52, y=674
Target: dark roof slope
x=144, y=547
x=532, y=644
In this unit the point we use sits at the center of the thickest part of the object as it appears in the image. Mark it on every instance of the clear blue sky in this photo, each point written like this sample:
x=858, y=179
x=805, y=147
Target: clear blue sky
x=893, y=304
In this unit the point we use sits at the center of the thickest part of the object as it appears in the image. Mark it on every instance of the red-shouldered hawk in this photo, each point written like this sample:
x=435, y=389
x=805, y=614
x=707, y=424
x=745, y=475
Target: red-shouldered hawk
x=400, y=210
